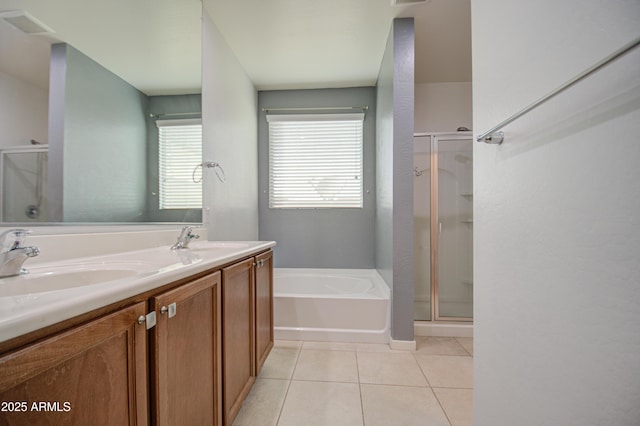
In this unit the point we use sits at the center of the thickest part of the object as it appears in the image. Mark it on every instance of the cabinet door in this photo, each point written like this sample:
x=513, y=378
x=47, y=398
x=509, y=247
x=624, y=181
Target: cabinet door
x=264, y=307
x=238, y=335
x=186, y=343
x=93, y=374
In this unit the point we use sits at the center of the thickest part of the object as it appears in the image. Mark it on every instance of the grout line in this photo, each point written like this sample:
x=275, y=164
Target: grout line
x=286, y=393
x=400, y=385
x=441, y=406
x=359, y=388
x=424, y=374
x=463, y=347
x=449, y=387
x=325, y=381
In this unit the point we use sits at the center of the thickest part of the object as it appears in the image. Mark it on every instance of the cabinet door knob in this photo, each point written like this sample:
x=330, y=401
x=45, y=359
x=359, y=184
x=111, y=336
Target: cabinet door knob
x=150, y=319
x=171, y=309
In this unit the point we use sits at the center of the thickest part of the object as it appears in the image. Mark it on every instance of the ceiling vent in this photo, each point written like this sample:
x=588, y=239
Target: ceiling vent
x=22, y=20
x=408, y=2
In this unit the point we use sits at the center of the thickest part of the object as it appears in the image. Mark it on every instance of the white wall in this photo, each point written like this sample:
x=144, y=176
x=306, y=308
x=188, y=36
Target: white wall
x=23, y=112
x=557, y=216
x=230, y=134
x=442, y=107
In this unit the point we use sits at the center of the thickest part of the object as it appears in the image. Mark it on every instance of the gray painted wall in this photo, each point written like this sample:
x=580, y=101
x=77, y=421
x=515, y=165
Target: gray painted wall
x=99, y=134
x=230, y=138
x=320, y=238
x=159, y=106
x=394, y=195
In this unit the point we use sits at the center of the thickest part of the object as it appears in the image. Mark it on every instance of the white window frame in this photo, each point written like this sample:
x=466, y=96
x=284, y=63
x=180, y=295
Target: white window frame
x=316, y=161
x=178, y=156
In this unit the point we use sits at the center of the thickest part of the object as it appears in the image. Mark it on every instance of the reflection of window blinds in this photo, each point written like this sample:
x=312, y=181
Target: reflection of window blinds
x=180, y=146
x=315, y=161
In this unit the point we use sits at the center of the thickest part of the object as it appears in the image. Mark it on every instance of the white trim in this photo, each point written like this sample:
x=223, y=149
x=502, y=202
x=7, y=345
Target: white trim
x=442, y=329
x=403, y=345
x=331, y=335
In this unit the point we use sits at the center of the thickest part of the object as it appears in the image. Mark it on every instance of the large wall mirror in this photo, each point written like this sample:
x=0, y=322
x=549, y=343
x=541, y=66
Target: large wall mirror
x=88, y=89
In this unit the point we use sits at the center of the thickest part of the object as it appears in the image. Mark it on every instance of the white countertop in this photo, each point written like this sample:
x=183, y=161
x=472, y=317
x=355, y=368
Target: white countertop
x=21, y=312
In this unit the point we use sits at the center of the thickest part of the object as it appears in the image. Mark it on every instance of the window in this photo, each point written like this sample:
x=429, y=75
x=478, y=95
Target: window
x=315, y=161
x=180, y=151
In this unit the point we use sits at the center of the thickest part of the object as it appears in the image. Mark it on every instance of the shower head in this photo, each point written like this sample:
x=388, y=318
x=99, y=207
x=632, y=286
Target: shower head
x=417, y=172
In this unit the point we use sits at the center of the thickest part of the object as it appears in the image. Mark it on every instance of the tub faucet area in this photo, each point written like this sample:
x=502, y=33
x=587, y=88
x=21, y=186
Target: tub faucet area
x=14, y=253
x=186, y=235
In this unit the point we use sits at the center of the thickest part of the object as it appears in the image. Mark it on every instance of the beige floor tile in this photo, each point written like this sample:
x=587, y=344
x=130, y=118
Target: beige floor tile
x=322, y=404
x=457, y=404
x=291, y=344
x=385, y=405
x=467, y=343
x=439, y=346
x=389, y=369
x=263, y=404
x=332, y=366
x=447, y=371
x=280, y=363
x=329, y=346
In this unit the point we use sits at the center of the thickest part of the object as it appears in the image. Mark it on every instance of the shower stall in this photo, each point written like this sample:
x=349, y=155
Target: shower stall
x=443, y=226
x=23, y=180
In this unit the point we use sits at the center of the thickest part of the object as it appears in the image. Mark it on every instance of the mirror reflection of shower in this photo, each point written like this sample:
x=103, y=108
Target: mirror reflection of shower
x=23, y=179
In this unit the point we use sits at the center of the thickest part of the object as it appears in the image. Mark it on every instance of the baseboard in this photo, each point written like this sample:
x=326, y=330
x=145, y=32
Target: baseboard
x=403, y=345
x=442, y=330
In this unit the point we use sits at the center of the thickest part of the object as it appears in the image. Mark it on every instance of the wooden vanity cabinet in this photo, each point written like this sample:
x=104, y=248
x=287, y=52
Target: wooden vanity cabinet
x=186, y=342
x=247, y=310
x=263, y=307
x=195, y=366
x=238, y=336
x=95, y=373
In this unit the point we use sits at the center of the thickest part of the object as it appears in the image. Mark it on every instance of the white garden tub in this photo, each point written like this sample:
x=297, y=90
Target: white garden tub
x=335, y=305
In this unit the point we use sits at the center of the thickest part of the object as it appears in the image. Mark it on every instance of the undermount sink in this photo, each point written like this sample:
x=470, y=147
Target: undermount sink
x=40, y=280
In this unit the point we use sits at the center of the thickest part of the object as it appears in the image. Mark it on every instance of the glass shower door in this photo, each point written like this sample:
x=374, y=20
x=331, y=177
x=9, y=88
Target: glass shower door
x=422, y=227
x=454, y=228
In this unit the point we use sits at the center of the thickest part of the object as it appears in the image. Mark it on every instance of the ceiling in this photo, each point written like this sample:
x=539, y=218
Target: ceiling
x=282, y=44
x=288, y=44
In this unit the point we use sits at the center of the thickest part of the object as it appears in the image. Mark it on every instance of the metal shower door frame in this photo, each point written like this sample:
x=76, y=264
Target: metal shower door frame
x=28, y=149
x=435, y=225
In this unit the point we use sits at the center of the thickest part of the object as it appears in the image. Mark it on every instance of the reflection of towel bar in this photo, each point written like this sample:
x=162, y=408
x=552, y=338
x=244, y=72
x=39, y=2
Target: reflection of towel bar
x=217, y=168
x=493, y=136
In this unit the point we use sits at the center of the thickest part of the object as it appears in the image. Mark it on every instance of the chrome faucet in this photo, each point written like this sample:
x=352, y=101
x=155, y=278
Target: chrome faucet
x=186, y=235
x=14, y=253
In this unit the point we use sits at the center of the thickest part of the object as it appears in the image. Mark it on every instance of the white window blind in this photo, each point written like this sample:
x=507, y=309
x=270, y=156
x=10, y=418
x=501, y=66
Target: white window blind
x=180, y=151
x=315, y=161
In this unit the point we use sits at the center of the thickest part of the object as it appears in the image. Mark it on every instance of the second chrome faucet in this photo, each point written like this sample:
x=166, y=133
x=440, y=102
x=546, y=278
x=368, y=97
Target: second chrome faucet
x=186, y=235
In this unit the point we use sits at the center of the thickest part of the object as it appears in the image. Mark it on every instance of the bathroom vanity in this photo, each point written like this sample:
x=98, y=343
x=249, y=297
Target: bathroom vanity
x=180, y=342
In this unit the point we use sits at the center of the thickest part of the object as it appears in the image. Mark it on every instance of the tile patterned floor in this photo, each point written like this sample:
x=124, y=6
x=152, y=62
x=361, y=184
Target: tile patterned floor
x=332, y=384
